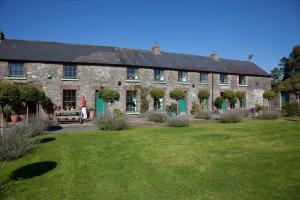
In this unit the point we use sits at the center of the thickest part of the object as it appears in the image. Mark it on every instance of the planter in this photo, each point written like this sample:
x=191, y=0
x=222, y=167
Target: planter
x=92, y=114
x=14, y=118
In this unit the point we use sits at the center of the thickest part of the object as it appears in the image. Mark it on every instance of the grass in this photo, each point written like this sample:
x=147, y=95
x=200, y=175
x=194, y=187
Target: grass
x=249, y=160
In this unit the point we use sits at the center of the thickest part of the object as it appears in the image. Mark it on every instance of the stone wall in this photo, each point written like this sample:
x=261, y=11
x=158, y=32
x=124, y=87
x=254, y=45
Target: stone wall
x=49, y=77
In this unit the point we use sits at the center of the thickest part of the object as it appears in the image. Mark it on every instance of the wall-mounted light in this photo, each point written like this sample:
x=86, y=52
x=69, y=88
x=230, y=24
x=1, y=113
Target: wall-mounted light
x=119, y=83
x=49, y=76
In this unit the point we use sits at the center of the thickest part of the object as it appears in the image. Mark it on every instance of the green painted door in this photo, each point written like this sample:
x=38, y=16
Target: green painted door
x=224, y=105
x=101, y=106
x=284, y=98
x=182, y=105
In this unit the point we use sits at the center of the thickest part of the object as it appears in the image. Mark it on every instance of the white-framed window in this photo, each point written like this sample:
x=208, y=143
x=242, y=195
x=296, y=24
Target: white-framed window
x=131, y=101
x=158, y=74
x=132, y=73
x=242, y=80
x=70, y=71
x=203, y=77
x=182, y=76
x=16, y=70
x=69, y=99
x=223, y=79
x=159, y=104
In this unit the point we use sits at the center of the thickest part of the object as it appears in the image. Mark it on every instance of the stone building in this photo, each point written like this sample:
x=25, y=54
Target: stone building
x=67, y=71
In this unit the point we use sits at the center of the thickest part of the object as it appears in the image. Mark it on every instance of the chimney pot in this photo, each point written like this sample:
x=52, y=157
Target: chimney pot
x=156, y=49
x=214, y=56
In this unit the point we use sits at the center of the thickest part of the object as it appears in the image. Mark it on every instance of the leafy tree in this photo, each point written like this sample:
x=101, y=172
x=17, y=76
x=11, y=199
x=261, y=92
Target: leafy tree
x=231, y=96
x=240, y=95
x=291, y=64
x=203, y=95
x=28, y=94
x=9, y=95
x=269, y=95
x=276, y=73
x=177, y=94
x=157, y=93
x=144, y=91
x=218, y=102
x=109, y=95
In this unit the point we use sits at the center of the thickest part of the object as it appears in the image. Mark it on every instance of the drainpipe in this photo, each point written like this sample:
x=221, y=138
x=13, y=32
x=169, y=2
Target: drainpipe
x=212, y=91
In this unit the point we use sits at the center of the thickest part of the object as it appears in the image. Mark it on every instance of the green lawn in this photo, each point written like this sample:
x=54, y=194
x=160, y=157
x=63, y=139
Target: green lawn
x=249, y=160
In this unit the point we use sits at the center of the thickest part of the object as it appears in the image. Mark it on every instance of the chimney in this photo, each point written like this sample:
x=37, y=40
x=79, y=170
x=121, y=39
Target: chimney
x=214, y=56
x=2, y=36
x=156, y=48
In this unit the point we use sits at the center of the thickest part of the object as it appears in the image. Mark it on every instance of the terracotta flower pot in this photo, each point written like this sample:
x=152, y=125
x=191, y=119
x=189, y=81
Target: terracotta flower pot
x=14, y=118
x=92, y=114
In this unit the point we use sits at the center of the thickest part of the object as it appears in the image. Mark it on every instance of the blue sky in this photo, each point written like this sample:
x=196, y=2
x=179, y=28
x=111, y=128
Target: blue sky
x=268, y=28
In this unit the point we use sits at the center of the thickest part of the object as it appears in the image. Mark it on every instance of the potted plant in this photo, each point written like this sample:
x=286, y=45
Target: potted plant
x=91, y=113
x=218, y=102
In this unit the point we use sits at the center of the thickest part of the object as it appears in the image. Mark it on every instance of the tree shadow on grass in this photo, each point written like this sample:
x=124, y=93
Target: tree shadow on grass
x=33, y=170
x=54, y=128
x=48, y=139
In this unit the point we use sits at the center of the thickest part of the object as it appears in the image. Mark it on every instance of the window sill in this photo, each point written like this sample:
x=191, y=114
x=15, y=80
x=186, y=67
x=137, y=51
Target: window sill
x=16, y=78
x=70, y=79
x=183, y=83
x=160, y=82
x=132, y=113
x=132, y=81
x=243, y=85
x=203, y=83
x=224, y=84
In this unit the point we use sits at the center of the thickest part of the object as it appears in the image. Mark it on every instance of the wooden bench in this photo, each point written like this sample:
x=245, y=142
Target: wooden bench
x=69, y=116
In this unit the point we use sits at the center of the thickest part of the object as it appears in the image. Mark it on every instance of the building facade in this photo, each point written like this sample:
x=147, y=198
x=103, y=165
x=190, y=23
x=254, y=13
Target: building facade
x=65, y=72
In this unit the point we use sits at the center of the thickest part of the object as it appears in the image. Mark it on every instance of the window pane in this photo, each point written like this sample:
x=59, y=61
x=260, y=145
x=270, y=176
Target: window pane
x=132, y=73
x=223, y=78
x=242, y=80
x=131, y=101
x=158, y=75
x=15, y=70
x=181, y=76
x=70, y=71
x=203, y=77
x=69, y=99
x=159, y=104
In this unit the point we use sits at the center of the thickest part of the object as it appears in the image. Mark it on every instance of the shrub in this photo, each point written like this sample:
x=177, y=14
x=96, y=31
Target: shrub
x=259, y=107
x=157, y=117
x=230, y=117
x=244, y=113
x=229, y=94
x=195, y=108
x=16, y=141
x=9, y=94
x=118, y=112
x=178, y=121
x=203, y=94
x=240, y=95
x=109, y=122
x=7, y=111
x=177, y=94
x=202, y=115
x=218, y=102
x=37, y=126
x=269, y=95
x=109, y=95
x=292, y=109
x=171, y=108
x=268, y=114
x=157, y=93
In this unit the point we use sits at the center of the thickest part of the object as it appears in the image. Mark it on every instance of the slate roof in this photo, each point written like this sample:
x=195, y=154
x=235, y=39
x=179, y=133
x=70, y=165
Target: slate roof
x=37, y=51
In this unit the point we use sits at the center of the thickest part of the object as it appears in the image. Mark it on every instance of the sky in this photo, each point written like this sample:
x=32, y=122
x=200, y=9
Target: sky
x=233, y=28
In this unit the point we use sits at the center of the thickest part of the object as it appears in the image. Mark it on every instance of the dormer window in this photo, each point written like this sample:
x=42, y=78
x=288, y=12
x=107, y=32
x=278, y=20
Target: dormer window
x=158, y=75
x=182, y=76
x=132, y=73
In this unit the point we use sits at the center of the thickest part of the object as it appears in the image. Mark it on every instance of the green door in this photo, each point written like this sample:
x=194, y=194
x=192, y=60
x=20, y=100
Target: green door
x=224, y=105
x=284, y=98
x=182, y=105
x=101, y=107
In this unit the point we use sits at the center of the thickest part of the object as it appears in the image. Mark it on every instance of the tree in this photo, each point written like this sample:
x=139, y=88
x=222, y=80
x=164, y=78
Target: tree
x=218, y=102
x=157, y=93
x=240, y=95
x=9, y=95
x=28, y=94
x=109, y=95
x=269, y=95
x=291, y=64
x=203, y=96
x=177, y=94
x=231, y=96
x=276, y=73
